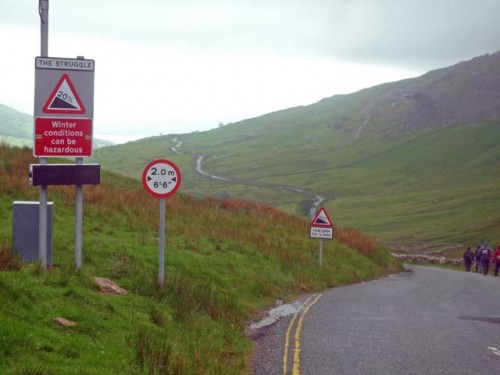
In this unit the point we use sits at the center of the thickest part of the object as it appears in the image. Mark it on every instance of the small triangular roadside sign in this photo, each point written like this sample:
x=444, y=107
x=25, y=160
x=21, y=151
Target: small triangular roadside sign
x=64, y=99
x=322, y=219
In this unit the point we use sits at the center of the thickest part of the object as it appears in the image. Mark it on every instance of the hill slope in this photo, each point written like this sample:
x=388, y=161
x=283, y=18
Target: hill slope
x=15, y=127
x=225, y=260
x=385, y=159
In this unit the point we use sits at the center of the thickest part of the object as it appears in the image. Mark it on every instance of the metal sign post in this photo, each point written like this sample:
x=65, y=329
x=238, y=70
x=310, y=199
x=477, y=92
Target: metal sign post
x=63, y=116
x=78, y=221
x=161, y=246
x=320, y=252
x=161, y=178
x=321, y=227
x=43, y=9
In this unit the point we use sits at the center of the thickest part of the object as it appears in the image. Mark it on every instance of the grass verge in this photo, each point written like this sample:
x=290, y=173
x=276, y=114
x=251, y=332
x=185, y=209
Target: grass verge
x=225, y=261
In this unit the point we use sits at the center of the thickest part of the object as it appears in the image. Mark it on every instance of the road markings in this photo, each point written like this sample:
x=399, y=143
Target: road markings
x=301, y=313
x=287, y=337
x=494, y=350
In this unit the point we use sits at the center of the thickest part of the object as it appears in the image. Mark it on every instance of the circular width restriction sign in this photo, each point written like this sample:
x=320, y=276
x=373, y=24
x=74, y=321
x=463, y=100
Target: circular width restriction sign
x=161, y=178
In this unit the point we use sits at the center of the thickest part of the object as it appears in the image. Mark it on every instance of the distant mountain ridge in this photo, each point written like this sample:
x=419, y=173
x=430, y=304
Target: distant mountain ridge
x=466, y=92
x=463, y=93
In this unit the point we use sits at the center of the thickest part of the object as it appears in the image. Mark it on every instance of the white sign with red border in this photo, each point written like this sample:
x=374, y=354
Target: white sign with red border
x=161, y=178
x=64, y=107
x=64, y=99
x=63, y=137
x=322, y=225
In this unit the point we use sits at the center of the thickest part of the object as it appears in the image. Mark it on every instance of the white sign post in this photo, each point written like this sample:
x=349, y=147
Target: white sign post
x=161, y=178
x=321, y=227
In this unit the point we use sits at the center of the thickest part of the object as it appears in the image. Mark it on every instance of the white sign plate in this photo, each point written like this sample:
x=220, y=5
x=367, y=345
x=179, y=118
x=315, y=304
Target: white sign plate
x=64, y=87
x=322, y=232
x=161, y=178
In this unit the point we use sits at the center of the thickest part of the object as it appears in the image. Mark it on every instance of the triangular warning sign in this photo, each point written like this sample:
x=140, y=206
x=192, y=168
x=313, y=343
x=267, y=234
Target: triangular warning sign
x=64, y=99
x=321, y=219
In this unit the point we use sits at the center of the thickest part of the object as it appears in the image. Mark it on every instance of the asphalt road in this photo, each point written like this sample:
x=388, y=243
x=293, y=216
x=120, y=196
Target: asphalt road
x=424, y=321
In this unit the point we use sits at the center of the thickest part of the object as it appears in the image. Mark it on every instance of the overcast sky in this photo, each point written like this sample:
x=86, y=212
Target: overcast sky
x=176, y=66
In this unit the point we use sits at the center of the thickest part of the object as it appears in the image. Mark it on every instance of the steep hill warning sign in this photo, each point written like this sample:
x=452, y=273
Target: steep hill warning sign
x=322, y=225
x=64, y=98
x=64, y=107
x=64, y=88
x=322, y=219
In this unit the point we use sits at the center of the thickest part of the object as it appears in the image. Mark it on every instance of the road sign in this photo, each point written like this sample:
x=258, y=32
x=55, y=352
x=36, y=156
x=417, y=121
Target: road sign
x=322, y=219
x=319, y=232
x=64, y=99
x=65, y=174
x=58, y=137
x=64, y=107
x=161, y=178
x=322, y=225
x=64, y=87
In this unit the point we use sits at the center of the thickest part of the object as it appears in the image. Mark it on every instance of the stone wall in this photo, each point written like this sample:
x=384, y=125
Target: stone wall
x=421, y=258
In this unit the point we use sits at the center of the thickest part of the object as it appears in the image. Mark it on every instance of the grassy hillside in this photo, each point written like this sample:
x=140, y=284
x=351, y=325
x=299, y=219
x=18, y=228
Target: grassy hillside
x=225, y=261
x=374, y=186
x=386, y=159
x=16, y=128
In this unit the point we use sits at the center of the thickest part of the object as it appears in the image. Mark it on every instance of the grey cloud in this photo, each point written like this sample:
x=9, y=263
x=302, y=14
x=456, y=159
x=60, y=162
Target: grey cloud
x=420, y=34
x=414, y=34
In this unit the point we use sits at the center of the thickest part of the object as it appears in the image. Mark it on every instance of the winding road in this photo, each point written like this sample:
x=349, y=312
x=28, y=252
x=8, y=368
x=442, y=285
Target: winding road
x=312, y=210
x=199, y=169
x=318, y=199
x=177, y=145
x=202, y=172
x=424, y=321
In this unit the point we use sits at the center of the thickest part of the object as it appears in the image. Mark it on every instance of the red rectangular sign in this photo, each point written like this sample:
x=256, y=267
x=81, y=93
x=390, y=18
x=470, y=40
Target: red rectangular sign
x=63, y=137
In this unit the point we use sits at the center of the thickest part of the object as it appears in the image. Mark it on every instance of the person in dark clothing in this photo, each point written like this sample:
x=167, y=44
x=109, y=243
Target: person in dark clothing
x=477, y=258
x=496, y=260
x=468, y=258
x=485, y=257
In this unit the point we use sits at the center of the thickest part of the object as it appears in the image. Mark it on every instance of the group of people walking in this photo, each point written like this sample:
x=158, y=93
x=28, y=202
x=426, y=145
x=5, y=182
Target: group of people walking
x=482, y=257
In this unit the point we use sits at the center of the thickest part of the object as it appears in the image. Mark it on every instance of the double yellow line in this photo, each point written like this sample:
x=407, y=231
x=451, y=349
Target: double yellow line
x=301, y=313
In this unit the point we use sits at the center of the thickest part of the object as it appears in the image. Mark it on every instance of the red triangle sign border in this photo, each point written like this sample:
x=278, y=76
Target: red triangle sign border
x=316, y=223
x=48, y=105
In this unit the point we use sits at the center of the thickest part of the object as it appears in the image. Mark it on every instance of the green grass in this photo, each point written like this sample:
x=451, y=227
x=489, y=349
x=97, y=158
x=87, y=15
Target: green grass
x=462, y=214
x=225, y=261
